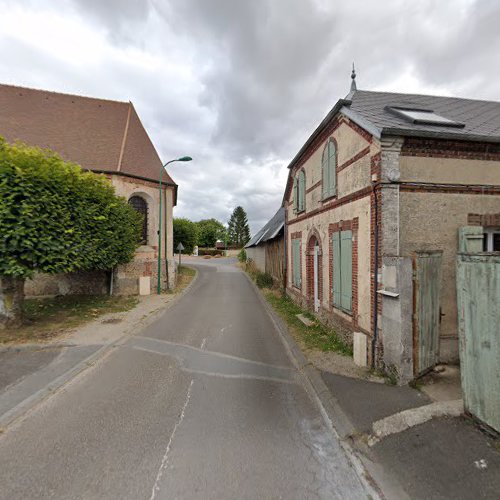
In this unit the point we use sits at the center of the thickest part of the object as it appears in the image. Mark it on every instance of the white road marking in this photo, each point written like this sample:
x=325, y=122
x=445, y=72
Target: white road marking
x=164, y=462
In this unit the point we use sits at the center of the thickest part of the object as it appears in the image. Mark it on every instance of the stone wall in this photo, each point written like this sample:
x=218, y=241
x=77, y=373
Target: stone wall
x=83, y=283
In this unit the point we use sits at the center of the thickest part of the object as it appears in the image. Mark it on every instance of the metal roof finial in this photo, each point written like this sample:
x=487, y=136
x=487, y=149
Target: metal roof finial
x=353, y=76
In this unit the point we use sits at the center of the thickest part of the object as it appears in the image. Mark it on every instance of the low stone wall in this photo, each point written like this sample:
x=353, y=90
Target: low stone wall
x=82, y=283
x=125, y=279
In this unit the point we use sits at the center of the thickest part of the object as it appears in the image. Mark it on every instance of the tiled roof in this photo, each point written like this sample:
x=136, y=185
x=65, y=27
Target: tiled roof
x=481, y=119
x=270, y=230
x=98, y=134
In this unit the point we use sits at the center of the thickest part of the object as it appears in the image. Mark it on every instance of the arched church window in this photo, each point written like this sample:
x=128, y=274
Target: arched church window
x=140, y=204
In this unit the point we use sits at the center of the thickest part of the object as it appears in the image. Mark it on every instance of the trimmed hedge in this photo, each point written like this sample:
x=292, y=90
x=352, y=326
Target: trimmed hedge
x=210, y=251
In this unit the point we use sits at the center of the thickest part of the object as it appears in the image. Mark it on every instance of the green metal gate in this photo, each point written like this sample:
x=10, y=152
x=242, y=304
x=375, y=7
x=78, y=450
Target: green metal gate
x=427, y=283
x=478, y=300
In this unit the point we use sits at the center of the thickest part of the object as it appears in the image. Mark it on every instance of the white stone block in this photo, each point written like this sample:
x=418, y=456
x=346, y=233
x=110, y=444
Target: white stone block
x=360, y=346
x=144, y=285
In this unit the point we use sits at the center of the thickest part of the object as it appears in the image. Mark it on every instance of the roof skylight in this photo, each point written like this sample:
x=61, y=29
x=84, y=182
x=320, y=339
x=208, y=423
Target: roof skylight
x=423, y=117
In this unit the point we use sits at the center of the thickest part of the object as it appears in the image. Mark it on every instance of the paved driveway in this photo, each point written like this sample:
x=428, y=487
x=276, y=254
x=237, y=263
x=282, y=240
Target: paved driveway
x=202, y=404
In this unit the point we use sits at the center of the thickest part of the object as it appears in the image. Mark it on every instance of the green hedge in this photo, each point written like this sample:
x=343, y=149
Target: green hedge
x=210, y=251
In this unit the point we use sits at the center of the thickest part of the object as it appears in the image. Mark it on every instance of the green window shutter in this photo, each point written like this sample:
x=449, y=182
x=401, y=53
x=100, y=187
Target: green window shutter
x=302, y=190
x=295, y=195
x=325, y=169
x=296, y=262
x=336, y=269
x=332, y=168
x=346, y=270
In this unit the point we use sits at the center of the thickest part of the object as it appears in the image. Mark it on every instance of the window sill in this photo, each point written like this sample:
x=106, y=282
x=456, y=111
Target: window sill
x=329, y=198
x=343, y=311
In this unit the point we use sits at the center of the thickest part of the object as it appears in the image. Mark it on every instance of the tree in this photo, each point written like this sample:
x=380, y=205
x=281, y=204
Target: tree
x=56, y=218
x=238, y=230
x=209, y=231
x=185, y=232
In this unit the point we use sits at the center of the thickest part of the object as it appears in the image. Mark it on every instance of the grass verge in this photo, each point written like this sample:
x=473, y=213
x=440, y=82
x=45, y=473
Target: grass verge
x=316, y=336
x=46, y=318
x=185, y=275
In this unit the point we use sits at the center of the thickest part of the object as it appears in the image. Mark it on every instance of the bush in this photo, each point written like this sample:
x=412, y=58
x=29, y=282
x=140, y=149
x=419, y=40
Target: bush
x=185, y=232
x=210, y=251
x=56, y=218
x=264, y=280
x=242, y=256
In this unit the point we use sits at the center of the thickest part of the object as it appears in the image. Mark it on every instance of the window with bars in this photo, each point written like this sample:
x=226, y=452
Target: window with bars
x=141, y=206
x=329, y=169
x=342, y=270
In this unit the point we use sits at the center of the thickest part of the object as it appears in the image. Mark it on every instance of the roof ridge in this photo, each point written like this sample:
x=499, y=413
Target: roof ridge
x=125, y=135
x=80, y=96
x=425, y=95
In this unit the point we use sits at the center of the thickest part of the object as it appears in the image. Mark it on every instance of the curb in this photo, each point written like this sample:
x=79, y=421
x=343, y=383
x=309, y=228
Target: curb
x=406, y=419
x=336, y=419
x=22, y=408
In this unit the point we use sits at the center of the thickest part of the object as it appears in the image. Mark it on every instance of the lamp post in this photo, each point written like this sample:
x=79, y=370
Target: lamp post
x=158, y=281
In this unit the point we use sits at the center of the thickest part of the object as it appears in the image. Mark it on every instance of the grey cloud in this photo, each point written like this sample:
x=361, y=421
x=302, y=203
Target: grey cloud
x=239, y=85
x=117, y=16
x=264, y=56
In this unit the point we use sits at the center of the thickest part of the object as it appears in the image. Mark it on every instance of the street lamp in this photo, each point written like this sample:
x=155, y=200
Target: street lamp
x=158, y=281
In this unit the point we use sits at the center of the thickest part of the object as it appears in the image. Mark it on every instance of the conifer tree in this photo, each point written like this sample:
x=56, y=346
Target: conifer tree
x=238, y=230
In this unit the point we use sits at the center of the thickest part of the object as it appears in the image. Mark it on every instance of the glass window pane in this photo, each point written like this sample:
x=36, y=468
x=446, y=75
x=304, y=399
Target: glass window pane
x=496, y=242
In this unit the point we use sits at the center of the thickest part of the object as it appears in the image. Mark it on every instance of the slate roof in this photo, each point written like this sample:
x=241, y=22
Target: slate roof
x=270, y=230
x=481, y=119
x=98, y=134
x=368, y=109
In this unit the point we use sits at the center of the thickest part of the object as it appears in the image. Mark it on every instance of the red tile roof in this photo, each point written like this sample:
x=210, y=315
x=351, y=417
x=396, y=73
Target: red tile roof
x=98, y=134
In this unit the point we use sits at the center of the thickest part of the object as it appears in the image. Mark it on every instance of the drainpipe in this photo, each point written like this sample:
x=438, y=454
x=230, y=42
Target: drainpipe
x=375, y=272
x=285, y=260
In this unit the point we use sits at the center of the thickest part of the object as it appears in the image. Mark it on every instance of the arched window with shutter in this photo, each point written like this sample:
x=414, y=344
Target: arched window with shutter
x=141, y=206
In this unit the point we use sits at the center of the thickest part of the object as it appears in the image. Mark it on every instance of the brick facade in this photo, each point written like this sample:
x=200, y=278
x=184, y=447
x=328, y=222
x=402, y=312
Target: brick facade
x=485, y=220
x=314, y=240
x=324, y=216
x=440, y=148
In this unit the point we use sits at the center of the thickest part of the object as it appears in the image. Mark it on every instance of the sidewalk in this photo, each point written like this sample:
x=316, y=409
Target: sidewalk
x=443, y=458
x=415, y=456
x=29, y=373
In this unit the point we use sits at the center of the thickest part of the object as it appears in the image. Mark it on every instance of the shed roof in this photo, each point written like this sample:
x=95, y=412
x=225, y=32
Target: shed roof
x=98, y=134
x=270, y=230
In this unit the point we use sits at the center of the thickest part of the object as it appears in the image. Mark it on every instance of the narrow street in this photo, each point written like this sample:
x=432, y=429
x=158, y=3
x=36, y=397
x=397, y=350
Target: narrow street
x=202, y=404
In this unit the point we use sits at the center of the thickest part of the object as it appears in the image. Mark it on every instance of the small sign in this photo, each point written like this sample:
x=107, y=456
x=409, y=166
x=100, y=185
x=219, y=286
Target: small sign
x=180, y=247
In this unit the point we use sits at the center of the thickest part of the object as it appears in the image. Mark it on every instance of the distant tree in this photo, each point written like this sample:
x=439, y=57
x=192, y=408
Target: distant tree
x=185, y=232
x=56, y=218
x=209, y=231
x=238, y=230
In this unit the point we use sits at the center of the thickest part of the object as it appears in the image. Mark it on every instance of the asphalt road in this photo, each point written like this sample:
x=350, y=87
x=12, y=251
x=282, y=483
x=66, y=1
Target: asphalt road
x=203, y=404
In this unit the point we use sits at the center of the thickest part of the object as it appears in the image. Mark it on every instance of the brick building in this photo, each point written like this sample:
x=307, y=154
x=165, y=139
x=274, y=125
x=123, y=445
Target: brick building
x=374, y=201
x=106, y=137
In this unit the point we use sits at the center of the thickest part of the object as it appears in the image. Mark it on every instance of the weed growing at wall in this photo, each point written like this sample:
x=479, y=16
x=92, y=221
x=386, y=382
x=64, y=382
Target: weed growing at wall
x=316, y=336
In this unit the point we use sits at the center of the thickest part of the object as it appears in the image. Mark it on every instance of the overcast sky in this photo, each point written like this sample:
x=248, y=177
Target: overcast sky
x=240, y=84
